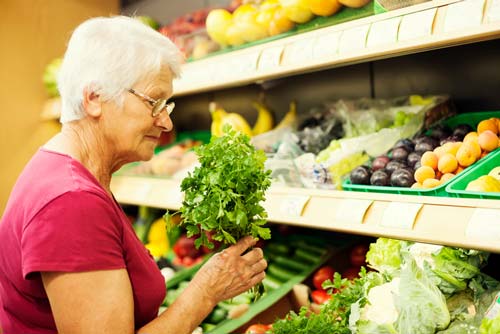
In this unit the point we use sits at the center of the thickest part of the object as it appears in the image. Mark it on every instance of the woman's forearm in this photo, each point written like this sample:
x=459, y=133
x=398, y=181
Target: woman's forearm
x=184, y=315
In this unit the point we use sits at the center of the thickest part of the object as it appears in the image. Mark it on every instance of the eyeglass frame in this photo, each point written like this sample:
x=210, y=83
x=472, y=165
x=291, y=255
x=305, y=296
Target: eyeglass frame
x=157, y=105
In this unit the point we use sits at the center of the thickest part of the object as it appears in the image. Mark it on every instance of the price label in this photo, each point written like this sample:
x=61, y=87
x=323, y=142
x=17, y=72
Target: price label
x=246, y=63
x=352, y=211
x=326, y=45
x=383, y=32
x=484, y=225
x=463, y=15
x=300, y=51
x=417, y=25
x=494, y=11
x=353, y=39
x=401, y=215
x=143, y=191
x=293, y=206
x=270, y=58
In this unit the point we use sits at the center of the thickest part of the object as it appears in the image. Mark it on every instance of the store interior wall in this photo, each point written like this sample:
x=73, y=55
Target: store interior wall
x=165, y=13
x=32, y=33
x=470, y=74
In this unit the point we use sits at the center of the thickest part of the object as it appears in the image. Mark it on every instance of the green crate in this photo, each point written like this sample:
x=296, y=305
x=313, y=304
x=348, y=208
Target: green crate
x=457, y=187
x=471, y=119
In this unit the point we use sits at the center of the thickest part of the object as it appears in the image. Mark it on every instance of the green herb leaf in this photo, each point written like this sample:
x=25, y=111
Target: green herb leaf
x=224, y=195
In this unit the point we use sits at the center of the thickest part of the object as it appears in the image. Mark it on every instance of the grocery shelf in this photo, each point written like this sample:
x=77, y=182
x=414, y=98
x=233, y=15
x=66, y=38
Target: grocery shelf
x=468, y=223
x=427, y=26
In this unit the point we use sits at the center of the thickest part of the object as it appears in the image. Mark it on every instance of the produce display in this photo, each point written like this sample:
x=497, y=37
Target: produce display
x=290, y=260
x=171, y=162
x=416, y=288
x=432, y=159
x=329, y=141
x=256, y=20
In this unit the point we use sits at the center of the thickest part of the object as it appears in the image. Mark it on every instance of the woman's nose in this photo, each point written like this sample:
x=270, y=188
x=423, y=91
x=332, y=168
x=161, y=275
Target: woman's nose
x=164, y=121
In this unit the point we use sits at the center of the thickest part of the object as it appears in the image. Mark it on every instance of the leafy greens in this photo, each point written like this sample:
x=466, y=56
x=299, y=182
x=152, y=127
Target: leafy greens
x=224, y=194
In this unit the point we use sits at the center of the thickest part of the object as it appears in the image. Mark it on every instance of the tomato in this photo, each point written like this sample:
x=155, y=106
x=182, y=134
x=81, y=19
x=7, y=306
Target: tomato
x=351, y=273
x=258, y=329
x=320, y=296
x=185, y=247
x=323, y=274
x=358, y=255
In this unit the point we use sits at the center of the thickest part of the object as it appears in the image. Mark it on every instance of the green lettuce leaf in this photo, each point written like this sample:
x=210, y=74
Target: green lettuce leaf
x=385, y=256
x=421, y=305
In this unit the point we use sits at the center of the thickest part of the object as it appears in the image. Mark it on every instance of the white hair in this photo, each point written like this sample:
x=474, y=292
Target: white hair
x=109, y=56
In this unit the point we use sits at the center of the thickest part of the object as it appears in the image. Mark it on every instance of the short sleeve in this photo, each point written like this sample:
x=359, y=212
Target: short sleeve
x=77, y=231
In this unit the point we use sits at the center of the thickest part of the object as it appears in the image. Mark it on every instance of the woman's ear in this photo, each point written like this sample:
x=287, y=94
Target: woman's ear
x=91, y=104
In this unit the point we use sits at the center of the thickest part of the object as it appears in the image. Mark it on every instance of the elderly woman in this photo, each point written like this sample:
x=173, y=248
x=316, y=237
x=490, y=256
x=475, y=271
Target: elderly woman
x=70, y=261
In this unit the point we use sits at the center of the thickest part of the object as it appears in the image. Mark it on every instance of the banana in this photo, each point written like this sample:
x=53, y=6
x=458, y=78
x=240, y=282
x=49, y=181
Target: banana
x=290, y=116
x=265, y=121
x=220, y=117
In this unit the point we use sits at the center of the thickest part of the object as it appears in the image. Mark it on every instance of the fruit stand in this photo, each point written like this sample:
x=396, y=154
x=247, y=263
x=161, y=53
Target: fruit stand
x=414, y=63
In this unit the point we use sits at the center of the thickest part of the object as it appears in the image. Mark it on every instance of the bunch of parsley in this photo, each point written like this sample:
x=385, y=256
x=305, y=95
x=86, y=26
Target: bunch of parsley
x=334, y=315
x=223, y=195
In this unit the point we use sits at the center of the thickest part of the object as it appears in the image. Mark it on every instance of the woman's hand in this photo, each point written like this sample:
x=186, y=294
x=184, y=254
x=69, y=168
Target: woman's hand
x=229, y=273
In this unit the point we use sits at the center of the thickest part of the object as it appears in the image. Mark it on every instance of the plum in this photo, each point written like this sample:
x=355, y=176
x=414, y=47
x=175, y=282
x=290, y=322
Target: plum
x=413, y=158
x=400, y=153
x=462, y=129
x=425, y=144
x=440, y=131
x=406, y=143
x=450, y=139
x=394, y=165
x=402, y=177
x=380, y=162
x=380, y=178
x=360, y=175
x=417, y=165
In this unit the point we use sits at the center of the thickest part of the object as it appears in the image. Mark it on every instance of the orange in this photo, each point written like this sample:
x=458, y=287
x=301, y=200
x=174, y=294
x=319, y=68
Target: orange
x=280, y=23
x=446, y=177
x=430, y=183
x=447, y=163
x=416, y=185
x=423, y=173
x=429, y=159
x=439, y=151
x=470, y=135
x=452, y=147
x=466, y=155
x=487, y=140
x=324, y=7
x=460, y=169
x=488, y=124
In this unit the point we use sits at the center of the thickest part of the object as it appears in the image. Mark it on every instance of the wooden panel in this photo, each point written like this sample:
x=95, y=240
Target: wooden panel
x=32, y=34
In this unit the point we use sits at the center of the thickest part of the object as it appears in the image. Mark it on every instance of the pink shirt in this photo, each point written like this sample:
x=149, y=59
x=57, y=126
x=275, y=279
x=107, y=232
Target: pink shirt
x=59, y=218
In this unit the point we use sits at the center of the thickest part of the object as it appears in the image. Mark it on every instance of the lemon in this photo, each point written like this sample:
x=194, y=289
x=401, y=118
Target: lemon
x=218, y=21
x=495, y=172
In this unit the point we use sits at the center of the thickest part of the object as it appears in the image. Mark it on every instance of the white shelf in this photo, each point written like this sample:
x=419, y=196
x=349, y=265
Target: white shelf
x=441, y=24
x=440, y=220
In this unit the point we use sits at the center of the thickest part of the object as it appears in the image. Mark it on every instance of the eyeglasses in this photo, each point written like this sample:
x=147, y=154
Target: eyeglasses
x=157, y=105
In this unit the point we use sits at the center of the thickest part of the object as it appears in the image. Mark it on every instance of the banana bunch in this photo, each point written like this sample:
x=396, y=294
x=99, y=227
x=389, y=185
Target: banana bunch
x=264, y=123
x=220, y=117
x=265, y=120
x=289, y=118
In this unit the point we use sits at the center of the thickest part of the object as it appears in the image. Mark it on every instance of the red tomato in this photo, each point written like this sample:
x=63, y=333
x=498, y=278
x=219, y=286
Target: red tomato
x=258, y=329
x=320, y=296
x=351, y=273
x=358, y=255
x=185, y=247
x=322, y=275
